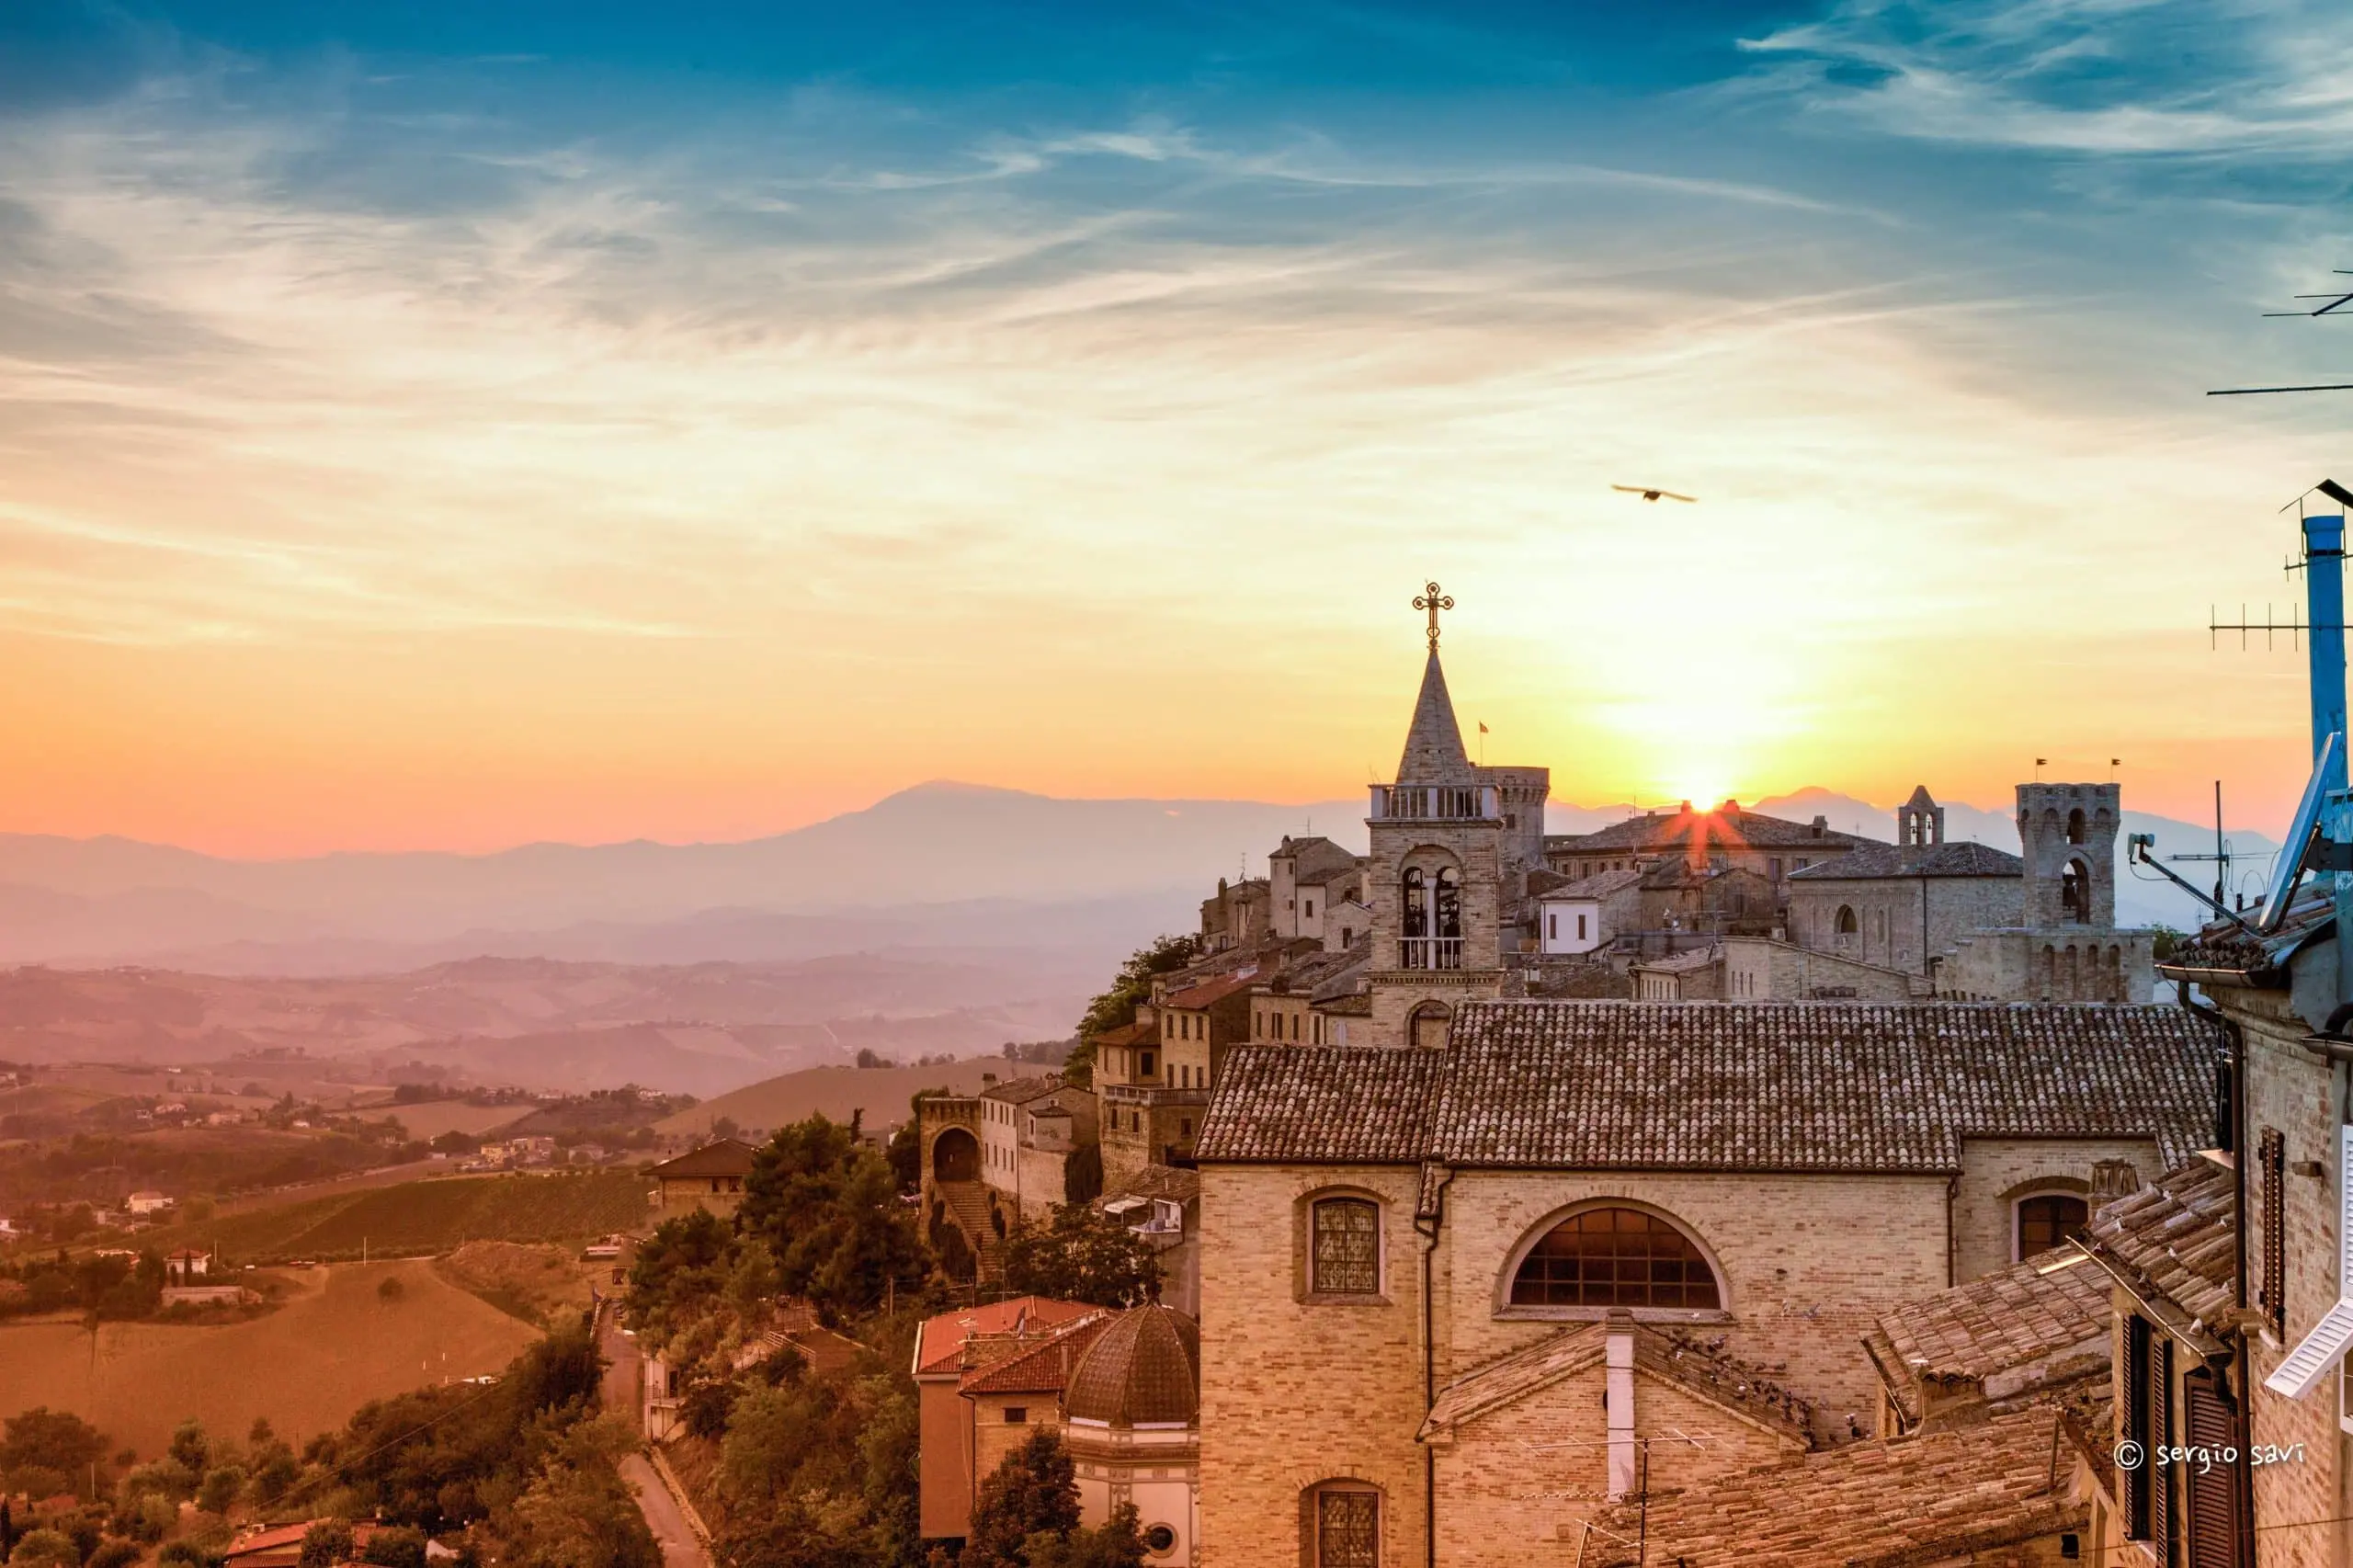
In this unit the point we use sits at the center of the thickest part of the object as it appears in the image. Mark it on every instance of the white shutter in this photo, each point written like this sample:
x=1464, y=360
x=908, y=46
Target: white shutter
x=2325, y=1345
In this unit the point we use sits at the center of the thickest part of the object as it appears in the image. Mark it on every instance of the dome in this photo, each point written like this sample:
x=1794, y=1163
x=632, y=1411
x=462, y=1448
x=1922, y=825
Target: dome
x=1145, y=1369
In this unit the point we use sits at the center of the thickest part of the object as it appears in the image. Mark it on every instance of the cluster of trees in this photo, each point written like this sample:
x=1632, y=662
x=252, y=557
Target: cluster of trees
x=1115, y=1007
x=105, y=1287
x=123, y=1509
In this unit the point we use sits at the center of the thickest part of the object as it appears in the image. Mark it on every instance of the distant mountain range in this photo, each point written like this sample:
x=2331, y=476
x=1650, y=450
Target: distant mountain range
x=942, y=866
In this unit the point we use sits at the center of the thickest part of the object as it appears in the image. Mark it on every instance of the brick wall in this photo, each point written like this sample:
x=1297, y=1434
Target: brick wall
x=2290, y=1089
x=1515, y=1483
x=1292, y=1394
x=1888, y=912
x=1997, y=1172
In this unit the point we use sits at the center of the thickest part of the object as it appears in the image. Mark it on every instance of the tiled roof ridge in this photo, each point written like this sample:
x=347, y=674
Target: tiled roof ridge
x=1961, y=857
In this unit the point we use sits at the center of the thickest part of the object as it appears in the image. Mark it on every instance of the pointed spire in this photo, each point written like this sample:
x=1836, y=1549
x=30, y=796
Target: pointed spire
x=1434, y=753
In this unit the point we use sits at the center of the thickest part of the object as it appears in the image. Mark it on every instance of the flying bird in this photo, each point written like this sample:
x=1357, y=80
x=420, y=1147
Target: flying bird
x=1647, y=494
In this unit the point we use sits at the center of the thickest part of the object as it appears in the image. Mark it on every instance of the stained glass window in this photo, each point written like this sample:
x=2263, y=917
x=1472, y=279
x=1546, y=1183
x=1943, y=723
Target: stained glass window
x=1347, y=1260
x=1347, y=1529
x=1615, y=1257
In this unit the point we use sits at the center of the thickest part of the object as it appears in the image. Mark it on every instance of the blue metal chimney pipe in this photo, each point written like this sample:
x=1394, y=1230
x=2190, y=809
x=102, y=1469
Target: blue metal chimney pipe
x=2324, y=592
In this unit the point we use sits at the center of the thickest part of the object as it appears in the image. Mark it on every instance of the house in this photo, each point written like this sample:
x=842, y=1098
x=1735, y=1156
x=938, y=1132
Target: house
x=282, y=1546
x=1312, y=882
x=1578, y=915
x=1162, y=1205
x=1773, y=848
x=1122, y=1389
x=956, y=1450
x=146, y=1202
x=1501, y=1223
x=186, y=1265
x=711, y=1178
x=1032, y=1132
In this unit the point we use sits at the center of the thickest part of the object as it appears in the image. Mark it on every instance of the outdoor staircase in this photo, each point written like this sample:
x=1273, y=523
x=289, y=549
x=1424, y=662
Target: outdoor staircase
x=968, y=1208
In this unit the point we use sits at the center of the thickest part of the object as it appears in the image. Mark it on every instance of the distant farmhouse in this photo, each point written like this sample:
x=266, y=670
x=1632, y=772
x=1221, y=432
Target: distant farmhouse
x=709, y=1178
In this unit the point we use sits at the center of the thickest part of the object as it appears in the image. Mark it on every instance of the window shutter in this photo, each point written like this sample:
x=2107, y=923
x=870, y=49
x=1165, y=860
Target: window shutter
x=2317, y=1354
x=2136, y=1427
x=2214, y=1495
x=2161, y=1434
x=2271, y=1160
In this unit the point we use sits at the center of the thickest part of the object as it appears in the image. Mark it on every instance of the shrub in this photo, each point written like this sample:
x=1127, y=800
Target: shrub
x=45, y=1548
x=391, y=1289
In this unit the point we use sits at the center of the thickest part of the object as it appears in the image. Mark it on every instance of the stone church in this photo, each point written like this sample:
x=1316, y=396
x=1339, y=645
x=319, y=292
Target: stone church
x=1456, y=1301
x=1466, y=1289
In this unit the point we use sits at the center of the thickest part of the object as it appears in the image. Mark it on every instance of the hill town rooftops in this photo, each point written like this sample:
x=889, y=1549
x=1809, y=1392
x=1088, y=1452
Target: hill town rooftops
x=1600, y=885
x=1203, y=996
x=2172, y=1245
x=1022, y=1091
x=1876, y=862
x=1724, y=1086
x=721, y=1157
x=939, y=1346
x=2006, y=1322
x=1662, y=833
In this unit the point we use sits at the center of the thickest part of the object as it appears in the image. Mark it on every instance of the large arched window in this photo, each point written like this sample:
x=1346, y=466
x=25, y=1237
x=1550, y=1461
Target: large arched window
x=2048, y=1218
x=1343, y=1247
x=2075, y=827
x=1417, y=904
x=1847, y=920
x=1615, y=1257
x=1449, y=905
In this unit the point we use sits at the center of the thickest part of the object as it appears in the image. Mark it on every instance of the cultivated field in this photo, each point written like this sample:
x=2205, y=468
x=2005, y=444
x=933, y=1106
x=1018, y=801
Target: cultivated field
x=419, y=1217
x=434, y=1118
x=881, y=1092
x=334, y=1345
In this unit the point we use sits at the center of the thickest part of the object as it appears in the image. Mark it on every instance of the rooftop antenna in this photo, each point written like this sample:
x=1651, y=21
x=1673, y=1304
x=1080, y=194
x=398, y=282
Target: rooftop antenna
x=2335, y=305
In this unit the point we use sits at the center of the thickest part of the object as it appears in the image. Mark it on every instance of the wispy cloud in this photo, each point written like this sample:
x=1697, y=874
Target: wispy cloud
x=2086, y=76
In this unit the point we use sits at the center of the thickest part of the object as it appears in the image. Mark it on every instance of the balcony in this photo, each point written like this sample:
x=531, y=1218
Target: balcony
x=1436, y=802
x=1429, y=952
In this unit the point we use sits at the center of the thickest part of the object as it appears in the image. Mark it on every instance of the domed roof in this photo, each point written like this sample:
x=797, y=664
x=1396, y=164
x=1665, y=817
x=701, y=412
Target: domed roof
x=1143, y=1370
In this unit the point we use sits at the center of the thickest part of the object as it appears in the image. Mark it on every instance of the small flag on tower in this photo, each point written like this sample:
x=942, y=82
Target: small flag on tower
x=1483, y=729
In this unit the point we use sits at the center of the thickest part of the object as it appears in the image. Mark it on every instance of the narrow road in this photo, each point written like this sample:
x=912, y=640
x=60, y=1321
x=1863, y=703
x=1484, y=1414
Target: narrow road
x=624, y=1381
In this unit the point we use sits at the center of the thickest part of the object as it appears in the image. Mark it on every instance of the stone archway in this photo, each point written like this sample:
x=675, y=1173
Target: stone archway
x=955, y=1156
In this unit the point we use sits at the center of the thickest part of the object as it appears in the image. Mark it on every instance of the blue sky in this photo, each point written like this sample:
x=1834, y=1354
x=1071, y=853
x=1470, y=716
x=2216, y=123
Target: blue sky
x=453, y=425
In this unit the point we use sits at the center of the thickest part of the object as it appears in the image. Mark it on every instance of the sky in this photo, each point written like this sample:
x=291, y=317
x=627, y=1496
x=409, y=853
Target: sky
x=455, y=426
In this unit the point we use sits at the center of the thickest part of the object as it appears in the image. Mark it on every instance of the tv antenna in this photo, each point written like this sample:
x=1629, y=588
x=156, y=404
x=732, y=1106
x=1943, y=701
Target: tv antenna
x=2337, y=304
x=2295, y=625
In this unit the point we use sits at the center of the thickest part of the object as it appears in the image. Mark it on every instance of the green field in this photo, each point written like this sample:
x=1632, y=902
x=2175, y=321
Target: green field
x=422, y=1217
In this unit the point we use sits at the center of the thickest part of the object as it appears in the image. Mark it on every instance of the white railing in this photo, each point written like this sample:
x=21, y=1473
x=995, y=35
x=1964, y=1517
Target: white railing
x=1436, y=802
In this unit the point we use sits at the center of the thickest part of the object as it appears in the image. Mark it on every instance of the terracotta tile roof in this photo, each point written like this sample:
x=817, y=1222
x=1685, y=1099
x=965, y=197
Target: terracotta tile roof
x=1022, y=1091
x=1348, y=1104
x=1157, y=1181
x=1129, y=1034
x=1203, y=996
x=1724, y=1086
x=727, y=1157
x=1664, y=832
x=1144, y=1370
x=1877, y=860
x=1717, y=1379
x=1043, y=1367
x=2172, y=1245
x=2013, y=1322
x=1317, y=861
x=1935, y=1498
x=1679, y=963
x=939, y=1347
x=1601, y=885
x=1351, y=1005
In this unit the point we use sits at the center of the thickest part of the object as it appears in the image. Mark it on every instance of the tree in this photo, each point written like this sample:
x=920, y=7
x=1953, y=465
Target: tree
x=51, y=1439
x=45, y=1548
x=326, y=1543
x=389, y=1289
x=576, y=1513
x=1115, y=1007
x=397, y=1548
x=1033, y=1492
x=190, y=1449
x=220, y=1490
x=1081, y=1255
x=1118, y=1542
x=830, y=1212
x=724, y=1127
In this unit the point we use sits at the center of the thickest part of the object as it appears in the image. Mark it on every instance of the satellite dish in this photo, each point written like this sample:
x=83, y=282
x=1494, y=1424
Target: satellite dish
x=2306, y=823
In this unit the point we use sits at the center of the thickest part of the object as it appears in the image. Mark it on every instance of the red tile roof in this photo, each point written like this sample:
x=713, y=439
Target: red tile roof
x=726, y=1156
x=1214, y=991
x=2172, y=1245
x=940, y=1347
x=1041, y=1367
x=2009, y=1321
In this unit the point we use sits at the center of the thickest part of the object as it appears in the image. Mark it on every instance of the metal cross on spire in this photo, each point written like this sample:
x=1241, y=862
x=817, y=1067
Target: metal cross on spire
x=1433, y=601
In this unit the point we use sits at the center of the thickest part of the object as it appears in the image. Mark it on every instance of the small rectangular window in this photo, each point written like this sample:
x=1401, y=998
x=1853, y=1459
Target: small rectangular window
x=1016, y=1414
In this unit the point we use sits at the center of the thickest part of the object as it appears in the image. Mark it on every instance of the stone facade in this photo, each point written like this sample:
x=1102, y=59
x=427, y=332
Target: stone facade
x=1757, y=969
x=1998, y=1173
x=1897, y=921
x=2065, y=965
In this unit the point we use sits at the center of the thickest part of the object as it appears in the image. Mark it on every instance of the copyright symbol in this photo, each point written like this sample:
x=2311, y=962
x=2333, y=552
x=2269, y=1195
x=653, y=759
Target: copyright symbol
x=2129, y=1454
